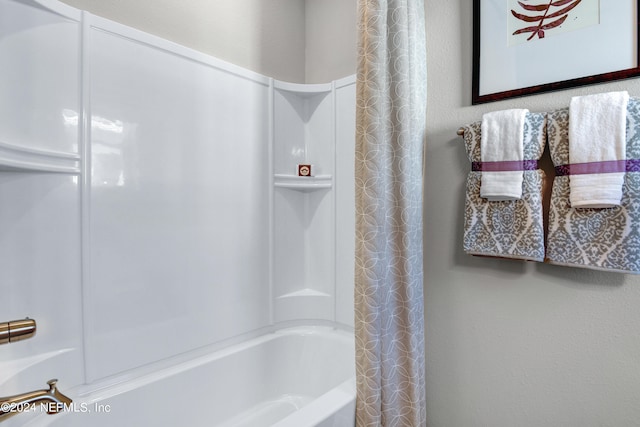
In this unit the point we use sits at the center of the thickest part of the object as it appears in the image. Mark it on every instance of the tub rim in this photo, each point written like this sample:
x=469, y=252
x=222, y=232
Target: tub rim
x=314, y=412
x=147, y=374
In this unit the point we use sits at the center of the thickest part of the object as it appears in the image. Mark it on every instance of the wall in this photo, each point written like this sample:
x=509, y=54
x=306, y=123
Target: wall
x=266, y=37
x=169, y=134
x=270, y=38
x=511, y=343
x=330, y=35
x=508, y=343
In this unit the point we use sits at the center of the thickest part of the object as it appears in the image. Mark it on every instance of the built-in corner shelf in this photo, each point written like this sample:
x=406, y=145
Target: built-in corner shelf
x=304, y=304
x=303, y=183
x=303, y=90
x=305, y=293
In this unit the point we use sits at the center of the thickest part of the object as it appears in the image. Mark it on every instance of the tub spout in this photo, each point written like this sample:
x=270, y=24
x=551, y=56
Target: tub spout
x=50, y=399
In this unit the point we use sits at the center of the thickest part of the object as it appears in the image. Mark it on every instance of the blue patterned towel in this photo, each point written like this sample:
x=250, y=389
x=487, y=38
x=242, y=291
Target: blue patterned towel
x=506, y=229
x=601, y=239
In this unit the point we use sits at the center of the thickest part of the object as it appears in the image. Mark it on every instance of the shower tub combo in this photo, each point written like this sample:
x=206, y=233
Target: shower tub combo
x=136, y=155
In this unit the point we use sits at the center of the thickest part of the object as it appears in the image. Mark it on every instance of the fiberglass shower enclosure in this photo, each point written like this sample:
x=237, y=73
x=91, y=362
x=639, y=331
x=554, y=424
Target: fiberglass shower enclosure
x=148, y=196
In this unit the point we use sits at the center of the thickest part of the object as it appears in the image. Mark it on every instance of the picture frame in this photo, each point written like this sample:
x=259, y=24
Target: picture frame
x=576, y=43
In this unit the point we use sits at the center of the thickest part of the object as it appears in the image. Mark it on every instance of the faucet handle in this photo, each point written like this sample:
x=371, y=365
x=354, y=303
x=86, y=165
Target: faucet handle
x=57, y=395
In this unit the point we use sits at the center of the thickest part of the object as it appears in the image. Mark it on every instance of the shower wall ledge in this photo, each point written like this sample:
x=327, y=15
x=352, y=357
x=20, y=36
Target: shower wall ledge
x=303, y=183
x=302, y=89
x=14, y=158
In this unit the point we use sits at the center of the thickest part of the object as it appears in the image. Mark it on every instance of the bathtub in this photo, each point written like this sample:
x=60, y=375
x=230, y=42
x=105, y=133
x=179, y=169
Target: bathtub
x=295, y=377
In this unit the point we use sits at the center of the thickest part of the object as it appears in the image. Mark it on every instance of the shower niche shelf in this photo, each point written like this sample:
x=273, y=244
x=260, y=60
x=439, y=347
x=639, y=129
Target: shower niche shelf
x=303, y=183
x=313, y=217
x=303, y=90
x=305, y=293
x=304, y=207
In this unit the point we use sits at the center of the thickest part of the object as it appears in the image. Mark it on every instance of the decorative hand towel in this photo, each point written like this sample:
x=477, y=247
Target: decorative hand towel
x=501, y=150
x=597, y=149
x=600, y=239
x=506, y=229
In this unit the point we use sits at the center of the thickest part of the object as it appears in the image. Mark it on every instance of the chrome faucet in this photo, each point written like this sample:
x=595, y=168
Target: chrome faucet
x=52, y=400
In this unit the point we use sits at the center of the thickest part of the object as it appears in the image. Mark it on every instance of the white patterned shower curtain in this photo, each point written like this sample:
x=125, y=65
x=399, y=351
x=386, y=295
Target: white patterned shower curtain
x=390, y=128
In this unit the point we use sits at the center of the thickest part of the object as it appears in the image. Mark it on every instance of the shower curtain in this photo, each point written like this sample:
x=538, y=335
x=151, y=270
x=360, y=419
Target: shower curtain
x=390, y=127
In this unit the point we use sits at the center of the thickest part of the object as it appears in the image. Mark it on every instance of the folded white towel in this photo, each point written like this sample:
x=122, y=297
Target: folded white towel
x=597, y=142
x=502, y=140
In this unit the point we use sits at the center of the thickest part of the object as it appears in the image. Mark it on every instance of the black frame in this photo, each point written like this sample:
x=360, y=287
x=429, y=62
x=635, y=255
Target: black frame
x=476, y=98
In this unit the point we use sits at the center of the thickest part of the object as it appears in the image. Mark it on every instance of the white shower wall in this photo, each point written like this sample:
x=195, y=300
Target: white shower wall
x=40, y=205
x=179, y=201
x=153, y=232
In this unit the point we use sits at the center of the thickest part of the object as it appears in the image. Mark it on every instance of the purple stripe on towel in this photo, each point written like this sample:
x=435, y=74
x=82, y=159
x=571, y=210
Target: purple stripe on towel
x=610, y=166
x=505, y=166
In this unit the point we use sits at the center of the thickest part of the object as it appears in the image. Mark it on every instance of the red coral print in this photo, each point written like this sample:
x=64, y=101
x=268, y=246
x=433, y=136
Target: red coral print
x=554, y=9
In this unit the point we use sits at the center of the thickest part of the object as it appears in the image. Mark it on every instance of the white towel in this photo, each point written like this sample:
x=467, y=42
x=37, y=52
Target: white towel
x=501, y=140
x=597, y=141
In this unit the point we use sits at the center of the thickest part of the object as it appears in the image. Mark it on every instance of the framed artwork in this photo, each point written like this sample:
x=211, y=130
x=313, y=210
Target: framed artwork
x=523, y=47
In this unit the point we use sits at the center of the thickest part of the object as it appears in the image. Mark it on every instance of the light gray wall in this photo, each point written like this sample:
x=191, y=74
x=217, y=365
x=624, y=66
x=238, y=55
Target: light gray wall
x=511, y=343
x=330, y=39
x=263, y=36
x=299, y=41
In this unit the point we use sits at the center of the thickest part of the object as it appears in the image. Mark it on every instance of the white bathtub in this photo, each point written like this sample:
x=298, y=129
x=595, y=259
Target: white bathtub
x=295, y=377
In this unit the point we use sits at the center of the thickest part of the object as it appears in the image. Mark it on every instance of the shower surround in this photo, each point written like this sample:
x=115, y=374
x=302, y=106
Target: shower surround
x=150, y=206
